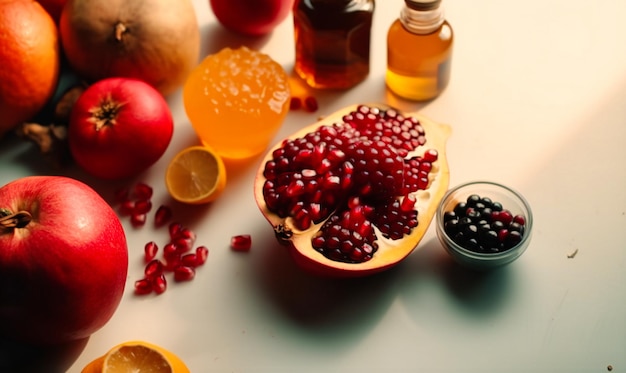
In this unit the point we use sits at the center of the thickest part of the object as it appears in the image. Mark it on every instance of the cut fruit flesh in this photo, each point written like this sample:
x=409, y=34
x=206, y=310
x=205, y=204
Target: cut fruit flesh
x=137, y=357
x=196, y=175
x=390, y=252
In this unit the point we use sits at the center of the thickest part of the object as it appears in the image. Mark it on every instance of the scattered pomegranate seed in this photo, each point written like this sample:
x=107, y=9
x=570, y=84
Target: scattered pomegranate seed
x=159, y=284
x=142, y=207
x=137, y=220
x=162, y=216
x=184, y=273
x=183, y=245
x=137, y=204
x=202, y=253
x=150, y=250
x=189, y=260
x=242, y=242
x=143, y=191
x=143, y=286
x=170, y=250
x=154, y=269
x=186, y=234
x=172, y=262
x=310, y=104
x=295, y=103
x=174, y=229
x=127, y=207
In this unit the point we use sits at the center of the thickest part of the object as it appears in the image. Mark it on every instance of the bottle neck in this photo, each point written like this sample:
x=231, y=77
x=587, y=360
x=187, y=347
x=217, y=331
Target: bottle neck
x=422, y=21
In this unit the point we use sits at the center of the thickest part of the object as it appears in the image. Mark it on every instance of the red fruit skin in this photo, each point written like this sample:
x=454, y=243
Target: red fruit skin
x=53, y=7
x=137, y=137
x=251, y=17
x=62, y=276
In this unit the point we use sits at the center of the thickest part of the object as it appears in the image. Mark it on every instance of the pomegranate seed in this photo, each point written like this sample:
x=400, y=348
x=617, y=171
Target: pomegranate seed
x=127, y=207
x=143, y=286
x=170, y=250
x=174, y=228
x=150, y=251
x=295, y=103
x=182, y=245
x=159, y=284
x=143, y=192
x=172, y=262
x=431, y=155
x=189, y=260
x=153, y=269
x=142, y=207
x=162, y=216
x=186, y=234
x=242, y=242
x=202, y=253
x=137, y=220
x=364, y=155
x=310, y=104
x=184, y=273
x=503, y=216
x=519, y=219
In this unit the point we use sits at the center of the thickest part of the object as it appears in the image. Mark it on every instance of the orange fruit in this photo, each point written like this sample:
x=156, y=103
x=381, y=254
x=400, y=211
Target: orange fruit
x=195, y=175
x=138, y=357
x=29, y=51
x=236, y=100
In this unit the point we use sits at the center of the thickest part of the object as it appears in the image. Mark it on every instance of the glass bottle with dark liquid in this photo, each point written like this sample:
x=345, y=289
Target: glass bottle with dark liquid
x=419, y=51
x=332, y=41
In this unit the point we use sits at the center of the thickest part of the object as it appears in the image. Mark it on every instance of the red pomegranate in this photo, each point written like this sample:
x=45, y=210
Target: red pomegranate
x=353, y=194
x=63, y=260
x=119, y=127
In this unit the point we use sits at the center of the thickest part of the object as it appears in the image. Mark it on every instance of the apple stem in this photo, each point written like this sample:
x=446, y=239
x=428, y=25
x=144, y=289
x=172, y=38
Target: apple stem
x=19, y=219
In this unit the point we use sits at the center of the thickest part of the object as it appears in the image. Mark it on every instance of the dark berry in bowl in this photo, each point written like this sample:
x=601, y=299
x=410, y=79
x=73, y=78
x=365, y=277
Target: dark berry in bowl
x=483, y=224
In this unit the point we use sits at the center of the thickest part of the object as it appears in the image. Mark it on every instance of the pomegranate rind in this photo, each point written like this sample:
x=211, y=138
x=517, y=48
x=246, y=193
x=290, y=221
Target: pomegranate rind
x=390, y=252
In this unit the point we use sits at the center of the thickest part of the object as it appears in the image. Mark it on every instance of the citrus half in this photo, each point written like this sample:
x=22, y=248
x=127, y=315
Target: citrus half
x=196, y=175
x=139, y=357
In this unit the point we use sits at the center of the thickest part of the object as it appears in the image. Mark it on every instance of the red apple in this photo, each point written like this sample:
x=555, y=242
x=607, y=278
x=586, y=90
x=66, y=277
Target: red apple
x=119, y=127
x=63, y=260
x=251, y=17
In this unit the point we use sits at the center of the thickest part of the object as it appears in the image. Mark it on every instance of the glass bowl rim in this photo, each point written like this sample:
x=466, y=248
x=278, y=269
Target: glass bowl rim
x=512, y=252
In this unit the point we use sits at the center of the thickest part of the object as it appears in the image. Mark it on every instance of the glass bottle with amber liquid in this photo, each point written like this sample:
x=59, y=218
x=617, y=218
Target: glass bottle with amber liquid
x=419, y=51
x=332, y=41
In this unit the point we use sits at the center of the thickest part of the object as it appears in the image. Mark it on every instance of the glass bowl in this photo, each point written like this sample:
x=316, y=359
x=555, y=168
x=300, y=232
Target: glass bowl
x=481, y=258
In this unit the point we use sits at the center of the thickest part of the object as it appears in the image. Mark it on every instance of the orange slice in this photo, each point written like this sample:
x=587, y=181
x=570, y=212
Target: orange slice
x=195, y=175
x=137, y=357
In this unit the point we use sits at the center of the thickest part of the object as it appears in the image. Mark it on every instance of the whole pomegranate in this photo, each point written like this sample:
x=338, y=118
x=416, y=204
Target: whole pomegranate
x=119, y=127
x=156, y=41
x=63, y=260
x=353, y=195
x=251, y=17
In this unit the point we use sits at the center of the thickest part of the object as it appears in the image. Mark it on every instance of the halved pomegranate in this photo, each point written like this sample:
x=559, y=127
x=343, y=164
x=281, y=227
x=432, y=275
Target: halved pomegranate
x=354, y=193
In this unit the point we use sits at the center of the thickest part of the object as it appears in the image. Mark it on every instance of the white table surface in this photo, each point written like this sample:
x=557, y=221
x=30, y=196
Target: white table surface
x=537, y=101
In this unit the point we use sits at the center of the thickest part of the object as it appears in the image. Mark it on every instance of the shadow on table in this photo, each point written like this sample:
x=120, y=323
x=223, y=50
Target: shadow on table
x=479, y=294
x=17, y=357
x=330, y=313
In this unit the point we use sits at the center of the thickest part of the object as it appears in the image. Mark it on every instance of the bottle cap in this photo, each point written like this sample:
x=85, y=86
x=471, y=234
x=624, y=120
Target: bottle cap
x=422, y=5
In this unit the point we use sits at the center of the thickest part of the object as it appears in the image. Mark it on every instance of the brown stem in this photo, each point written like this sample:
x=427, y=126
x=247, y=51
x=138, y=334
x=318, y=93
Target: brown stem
x=120, y=29
x=18, y=220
